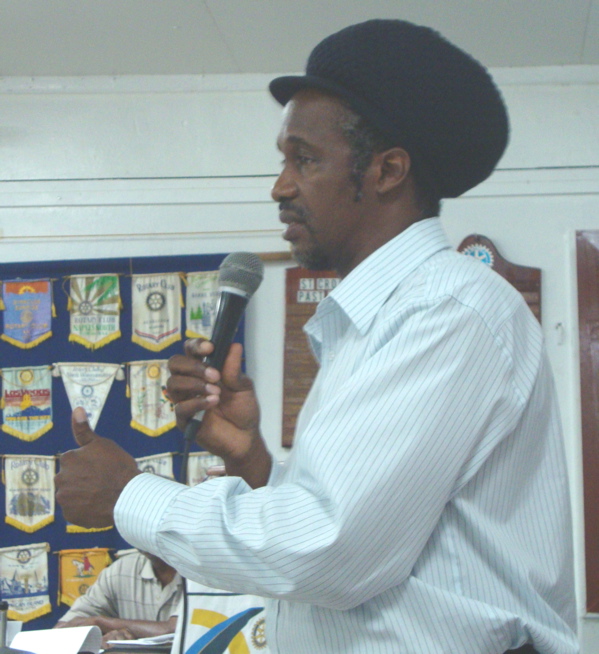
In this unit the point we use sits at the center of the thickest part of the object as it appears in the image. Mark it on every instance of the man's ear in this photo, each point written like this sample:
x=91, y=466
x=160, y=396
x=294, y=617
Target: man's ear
x=393, y=167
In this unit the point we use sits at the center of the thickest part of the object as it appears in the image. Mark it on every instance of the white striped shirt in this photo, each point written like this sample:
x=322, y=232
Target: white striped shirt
x=424, y=508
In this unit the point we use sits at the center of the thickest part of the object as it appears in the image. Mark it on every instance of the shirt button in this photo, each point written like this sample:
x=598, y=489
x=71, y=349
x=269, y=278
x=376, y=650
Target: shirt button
x=331, y=356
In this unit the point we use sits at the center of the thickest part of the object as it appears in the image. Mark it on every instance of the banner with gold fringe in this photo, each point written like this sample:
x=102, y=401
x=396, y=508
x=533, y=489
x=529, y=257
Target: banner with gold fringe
x=29, y=482
x=157, y=464
x=28, y=311
x=88, y=384
x=201, y=303
x=152, y=412
x=24, y=580
x=198, y=464
x=156, y=306
x=76, y=529
x=94, y=305
x=26, y=401
x=78, y=570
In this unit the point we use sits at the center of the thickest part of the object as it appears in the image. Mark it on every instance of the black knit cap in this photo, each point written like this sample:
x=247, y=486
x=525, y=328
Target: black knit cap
x=417, y=89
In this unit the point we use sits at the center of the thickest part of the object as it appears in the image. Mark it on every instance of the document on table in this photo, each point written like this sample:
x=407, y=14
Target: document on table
x=68, y=640
x=154, y=644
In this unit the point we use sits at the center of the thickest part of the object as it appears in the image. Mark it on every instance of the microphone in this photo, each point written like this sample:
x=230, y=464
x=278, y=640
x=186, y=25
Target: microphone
x=240, y=275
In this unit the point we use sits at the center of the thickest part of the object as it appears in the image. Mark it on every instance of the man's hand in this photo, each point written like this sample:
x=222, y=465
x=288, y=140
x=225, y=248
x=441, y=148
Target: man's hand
x=117, y=634
x=92, y=477
x=231, y=423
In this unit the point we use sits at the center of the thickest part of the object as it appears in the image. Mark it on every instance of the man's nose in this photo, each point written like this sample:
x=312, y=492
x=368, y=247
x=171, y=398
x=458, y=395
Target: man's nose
x=284, y=187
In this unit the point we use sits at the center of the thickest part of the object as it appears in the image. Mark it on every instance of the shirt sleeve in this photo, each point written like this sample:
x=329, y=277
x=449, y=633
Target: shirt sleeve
x=378, y=461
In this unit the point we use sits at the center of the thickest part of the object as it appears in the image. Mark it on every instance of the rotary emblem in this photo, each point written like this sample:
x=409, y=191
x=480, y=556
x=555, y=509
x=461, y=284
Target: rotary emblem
x=85, y=307
x=30, y=477
x=480, y=252
x=26, y=377
x=153, y=371
x=259, y=634
x=155, y=301
x=23, y=556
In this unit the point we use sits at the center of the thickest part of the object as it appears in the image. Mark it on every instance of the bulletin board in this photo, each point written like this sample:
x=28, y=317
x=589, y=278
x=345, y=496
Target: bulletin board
x=114, y=421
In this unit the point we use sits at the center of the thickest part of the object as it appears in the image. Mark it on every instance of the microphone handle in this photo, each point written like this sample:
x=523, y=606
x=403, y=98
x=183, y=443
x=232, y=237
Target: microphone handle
x=230, y=309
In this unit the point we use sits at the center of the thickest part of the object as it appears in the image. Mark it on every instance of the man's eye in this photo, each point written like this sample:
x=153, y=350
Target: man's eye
x=303, y=159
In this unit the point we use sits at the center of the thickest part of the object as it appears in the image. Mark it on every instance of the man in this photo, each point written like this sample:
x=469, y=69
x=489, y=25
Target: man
x=433, y=376
x=135, y=597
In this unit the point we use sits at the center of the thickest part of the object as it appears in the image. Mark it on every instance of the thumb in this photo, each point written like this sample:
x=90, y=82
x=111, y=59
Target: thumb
x=81, y=430
x=232, y=376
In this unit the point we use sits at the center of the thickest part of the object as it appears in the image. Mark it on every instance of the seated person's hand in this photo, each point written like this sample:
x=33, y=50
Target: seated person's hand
x=117, y=634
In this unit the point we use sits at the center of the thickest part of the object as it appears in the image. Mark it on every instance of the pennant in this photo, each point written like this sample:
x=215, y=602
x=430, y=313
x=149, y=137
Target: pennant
x=198, y=464
x=27, y=402
x=24, y=581
x=157, y=302
x=78, y=570
x=219, y=622
x=29, y=484
x=95, y=304
x=88, y=385
x=201, y=303
x=151, y=410
x=157, y=464
x=27, y=312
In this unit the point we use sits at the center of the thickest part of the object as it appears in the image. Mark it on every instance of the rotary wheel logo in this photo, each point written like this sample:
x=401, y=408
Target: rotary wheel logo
x=480, y=252
x=23, y=556
x=149, y=468
x=83, y=588
x=85, y=308
x=155, y=301
x=26, y=316
x=153, y=371
x=30, y=477
x=87, y=391
x=259, y=634
x=26, y=376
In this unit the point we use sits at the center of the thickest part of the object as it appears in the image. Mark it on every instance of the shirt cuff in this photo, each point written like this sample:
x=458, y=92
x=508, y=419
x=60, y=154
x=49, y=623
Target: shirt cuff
x=140, y=508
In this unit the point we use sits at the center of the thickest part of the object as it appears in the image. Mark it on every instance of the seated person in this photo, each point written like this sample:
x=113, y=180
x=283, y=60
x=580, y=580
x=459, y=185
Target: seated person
x=135, y=597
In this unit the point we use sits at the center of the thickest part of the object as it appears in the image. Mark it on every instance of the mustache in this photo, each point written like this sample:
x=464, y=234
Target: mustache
x=289, y=207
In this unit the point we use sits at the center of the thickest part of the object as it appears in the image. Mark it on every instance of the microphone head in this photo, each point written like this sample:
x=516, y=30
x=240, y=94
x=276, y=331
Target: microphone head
x=241, y=273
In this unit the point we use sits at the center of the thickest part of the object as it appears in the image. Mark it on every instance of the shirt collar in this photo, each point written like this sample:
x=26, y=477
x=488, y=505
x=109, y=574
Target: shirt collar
x=363, y=292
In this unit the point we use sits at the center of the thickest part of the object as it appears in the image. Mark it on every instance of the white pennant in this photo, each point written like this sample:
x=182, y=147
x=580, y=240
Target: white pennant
x=88, y=384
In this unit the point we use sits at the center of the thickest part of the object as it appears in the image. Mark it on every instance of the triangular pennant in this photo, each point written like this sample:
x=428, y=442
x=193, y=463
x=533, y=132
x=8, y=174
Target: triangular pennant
x=87, y=385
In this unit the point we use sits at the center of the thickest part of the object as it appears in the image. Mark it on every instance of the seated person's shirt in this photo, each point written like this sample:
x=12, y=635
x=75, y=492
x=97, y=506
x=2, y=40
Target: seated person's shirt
x=128, y=589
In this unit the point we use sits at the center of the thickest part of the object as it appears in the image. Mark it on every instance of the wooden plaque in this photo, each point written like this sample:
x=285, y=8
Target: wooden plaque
x=526, y=280
x=587, y=263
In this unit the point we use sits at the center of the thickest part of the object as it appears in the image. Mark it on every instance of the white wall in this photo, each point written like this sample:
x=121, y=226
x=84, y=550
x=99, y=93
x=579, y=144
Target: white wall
x=105, y=167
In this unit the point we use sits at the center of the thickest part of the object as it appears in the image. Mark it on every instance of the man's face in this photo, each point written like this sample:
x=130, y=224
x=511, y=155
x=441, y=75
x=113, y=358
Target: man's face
x=325, y=224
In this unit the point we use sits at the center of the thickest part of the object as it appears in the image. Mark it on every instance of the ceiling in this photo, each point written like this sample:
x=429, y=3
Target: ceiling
x=190, y=37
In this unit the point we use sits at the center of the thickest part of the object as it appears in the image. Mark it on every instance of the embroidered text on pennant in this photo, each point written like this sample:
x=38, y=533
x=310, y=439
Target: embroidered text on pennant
x=157, y=464
x=88, y=384
x=95, y=304
x=27, y=402
x=151, y=410
x=29, y=491
x=24, y=580
x=156, y=301
x=27, y=312
x=201, y=303
x=78, y=570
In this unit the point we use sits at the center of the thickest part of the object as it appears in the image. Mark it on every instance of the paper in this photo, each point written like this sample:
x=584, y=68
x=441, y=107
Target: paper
x=155, y=644
x=68, y=640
